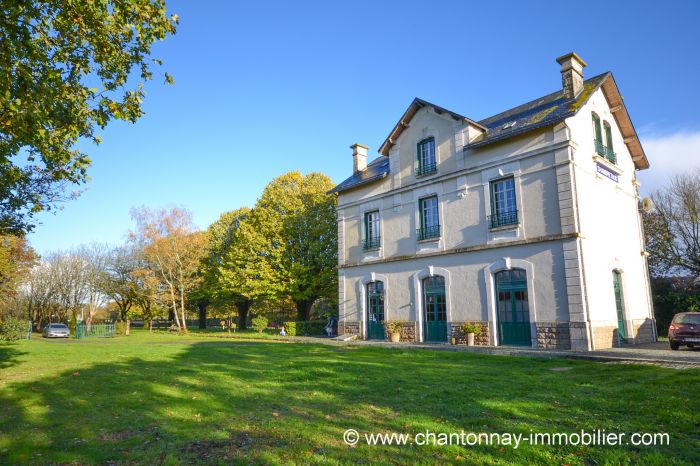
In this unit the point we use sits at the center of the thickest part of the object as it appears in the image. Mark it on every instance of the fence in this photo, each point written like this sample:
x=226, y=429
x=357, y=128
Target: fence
x=95, y=330
x=161, y=323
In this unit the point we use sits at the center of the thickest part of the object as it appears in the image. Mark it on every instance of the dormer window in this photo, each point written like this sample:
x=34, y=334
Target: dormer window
x=426, y=157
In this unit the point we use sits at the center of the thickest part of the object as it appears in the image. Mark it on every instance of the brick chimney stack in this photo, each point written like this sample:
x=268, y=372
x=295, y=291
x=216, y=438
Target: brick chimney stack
x=571, y=74
x=359, y=157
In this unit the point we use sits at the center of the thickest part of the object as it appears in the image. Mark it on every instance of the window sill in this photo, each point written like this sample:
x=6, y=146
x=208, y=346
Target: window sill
x=371, y=249
x=513, y=226
x=607, y=164
x=429, y=240
x=425, y=175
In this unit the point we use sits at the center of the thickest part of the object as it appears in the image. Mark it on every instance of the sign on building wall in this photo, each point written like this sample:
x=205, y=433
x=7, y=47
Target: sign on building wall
x=605, y=172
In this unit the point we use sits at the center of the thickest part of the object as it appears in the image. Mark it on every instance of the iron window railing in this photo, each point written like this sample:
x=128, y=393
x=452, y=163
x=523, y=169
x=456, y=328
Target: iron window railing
x=427, y=169
x=605, y=152
x=503, y=219
x=432, y=231
x=610, y=155
x=370, y=243
x=599, y=147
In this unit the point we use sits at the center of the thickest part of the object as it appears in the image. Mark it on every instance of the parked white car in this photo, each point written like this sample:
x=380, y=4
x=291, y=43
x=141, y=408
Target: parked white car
x=56, y=331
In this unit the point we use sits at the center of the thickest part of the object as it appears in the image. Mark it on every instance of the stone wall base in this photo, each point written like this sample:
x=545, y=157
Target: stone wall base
x=578, y=336
x=480, y=339
x=408, y=331
x=644, y=331
x=349, y=327
x=553, y=335
x=605, y=337
x=550, y=334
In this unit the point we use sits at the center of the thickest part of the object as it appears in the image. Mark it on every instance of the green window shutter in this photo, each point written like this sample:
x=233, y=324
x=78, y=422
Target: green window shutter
x=421, y=207
x=366, y=226
x=608, y=136
x=596, y=126
x=420, y=156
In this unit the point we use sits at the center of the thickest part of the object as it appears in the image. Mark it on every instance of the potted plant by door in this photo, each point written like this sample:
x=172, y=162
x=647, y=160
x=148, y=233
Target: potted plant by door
x=470, y=330
x=393, y=328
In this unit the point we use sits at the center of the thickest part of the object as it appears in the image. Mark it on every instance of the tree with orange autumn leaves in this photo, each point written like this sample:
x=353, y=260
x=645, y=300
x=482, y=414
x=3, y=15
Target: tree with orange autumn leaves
x=172, y=248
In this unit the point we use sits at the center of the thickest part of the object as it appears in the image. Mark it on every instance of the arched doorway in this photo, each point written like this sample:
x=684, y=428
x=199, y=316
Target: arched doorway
x=434, y=309
x=375, y=310
x=512, y=308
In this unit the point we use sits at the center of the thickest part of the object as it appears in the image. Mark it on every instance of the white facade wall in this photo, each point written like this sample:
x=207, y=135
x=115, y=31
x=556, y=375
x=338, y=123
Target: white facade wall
x=575, y=228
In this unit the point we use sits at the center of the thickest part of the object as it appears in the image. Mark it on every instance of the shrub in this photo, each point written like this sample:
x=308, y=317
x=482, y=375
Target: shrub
x=305, y=327
x=120, y=327
x=470, y=328
x=393, y=326
x=259, y=323
x=13, y=329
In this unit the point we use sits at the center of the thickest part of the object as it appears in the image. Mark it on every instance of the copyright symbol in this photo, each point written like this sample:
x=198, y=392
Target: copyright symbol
x=351, y=437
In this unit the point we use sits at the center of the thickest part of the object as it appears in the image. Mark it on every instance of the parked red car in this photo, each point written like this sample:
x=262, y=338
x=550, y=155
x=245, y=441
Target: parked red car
x=684, y=330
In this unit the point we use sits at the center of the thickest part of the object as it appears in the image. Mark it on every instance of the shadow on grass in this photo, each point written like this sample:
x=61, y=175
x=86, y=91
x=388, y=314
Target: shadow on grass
x=9, y=352
x=272, y=403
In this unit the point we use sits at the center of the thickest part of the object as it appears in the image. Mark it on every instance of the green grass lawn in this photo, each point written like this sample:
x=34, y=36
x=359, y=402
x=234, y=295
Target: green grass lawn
x=168, y=399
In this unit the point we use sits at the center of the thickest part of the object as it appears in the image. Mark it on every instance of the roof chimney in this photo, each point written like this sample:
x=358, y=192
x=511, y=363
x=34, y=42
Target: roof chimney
x=571, y=74
x=359, y=157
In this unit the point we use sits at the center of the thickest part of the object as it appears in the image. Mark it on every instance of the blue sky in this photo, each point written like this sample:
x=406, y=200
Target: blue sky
x=267, y=87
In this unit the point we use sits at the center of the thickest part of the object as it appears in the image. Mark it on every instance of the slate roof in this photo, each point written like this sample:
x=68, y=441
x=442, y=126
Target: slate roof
x=538, y=113
x=376, y=169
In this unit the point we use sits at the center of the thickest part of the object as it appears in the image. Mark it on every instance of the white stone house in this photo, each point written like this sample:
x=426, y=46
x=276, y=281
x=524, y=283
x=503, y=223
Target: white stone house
x=526, y=223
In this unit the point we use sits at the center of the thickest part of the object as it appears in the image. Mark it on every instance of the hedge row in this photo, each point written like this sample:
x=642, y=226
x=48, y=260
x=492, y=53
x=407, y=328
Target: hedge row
x=308, y=327
x=13, y=329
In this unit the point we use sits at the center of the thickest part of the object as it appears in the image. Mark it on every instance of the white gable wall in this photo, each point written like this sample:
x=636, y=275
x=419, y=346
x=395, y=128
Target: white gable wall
x=609, y=223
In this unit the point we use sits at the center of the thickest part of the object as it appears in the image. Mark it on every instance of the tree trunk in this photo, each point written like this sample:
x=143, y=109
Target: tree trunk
x=304, y=309
x=202, y=315
x=73, y=321
x=243, y=309
x=183, y=311
x=171, y=316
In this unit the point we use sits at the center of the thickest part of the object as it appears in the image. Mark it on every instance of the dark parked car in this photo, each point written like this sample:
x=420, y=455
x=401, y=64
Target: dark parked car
x=684, y=330
x=56, y=331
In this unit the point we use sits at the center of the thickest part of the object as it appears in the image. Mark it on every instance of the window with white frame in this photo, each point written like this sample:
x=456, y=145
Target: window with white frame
x=426, y=157
x=372, y=231
x=429, y=218
x=504, y=208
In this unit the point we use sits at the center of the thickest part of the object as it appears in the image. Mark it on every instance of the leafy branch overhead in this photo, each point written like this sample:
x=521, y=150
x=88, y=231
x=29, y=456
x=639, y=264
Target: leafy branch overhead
x=67, y=69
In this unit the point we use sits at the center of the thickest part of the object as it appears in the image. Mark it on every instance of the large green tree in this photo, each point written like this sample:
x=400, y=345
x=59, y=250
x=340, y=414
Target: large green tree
x=66, y=69
x=291, y=238
x=226, y=266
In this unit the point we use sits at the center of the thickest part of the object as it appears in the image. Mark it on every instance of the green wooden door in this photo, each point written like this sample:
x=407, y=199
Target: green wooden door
x=435, y=309
x=619, y=305
x=375, y=311
x=513, y=308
